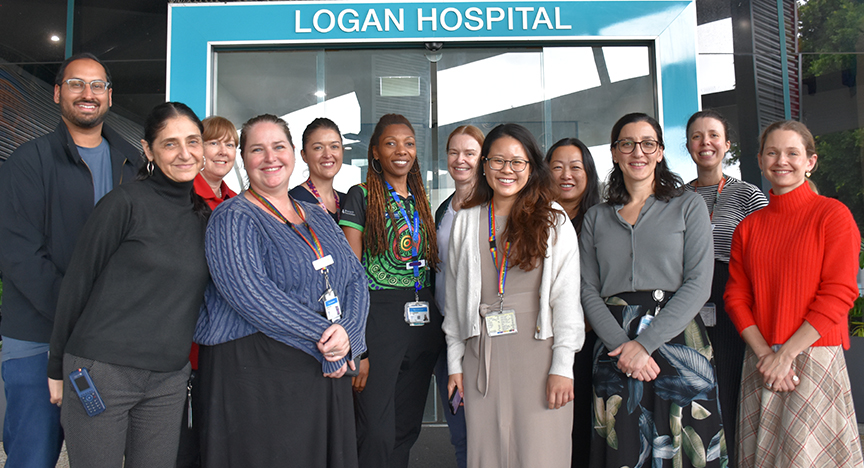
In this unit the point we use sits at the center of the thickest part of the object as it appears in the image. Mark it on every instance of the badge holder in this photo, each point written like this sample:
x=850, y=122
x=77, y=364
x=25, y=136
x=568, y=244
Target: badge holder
x=417, y=312
x=332, y=310
x=646, y=320
x=502, y=321
x=709, y=314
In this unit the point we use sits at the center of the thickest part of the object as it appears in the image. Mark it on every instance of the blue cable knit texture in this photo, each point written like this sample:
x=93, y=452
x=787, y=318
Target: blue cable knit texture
x=263, y=280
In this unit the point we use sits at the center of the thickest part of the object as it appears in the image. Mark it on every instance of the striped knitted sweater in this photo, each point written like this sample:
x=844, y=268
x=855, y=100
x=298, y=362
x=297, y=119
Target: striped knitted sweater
x=795, y=260
x=263, y=281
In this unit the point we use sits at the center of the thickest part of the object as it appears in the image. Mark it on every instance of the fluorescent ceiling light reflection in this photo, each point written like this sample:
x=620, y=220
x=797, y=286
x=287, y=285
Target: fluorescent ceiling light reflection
x=345, y=111
x=513, y=80
x=624, y=63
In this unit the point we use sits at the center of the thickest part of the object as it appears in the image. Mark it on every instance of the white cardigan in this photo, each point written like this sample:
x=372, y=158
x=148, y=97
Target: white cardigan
x=560, y=305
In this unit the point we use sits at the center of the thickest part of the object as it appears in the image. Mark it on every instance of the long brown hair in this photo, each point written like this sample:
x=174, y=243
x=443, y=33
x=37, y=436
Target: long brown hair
x=532, y=216
x=375, y=231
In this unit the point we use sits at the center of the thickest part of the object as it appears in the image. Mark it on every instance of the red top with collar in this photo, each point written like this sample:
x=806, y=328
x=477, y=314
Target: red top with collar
x=792, y=261
x=202, y=188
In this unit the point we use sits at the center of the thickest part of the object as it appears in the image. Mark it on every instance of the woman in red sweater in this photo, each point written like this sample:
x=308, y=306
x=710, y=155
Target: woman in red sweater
x=791, y=283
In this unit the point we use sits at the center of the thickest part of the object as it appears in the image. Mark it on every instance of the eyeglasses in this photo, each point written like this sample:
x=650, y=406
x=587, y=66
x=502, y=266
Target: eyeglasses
x=76, y=86
x=628, y=146
x=517, y=165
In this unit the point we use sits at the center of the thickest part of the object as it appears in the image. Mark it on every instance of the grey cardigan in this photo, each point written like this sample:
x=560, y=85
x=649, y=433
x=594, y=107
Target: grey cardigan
x=669, y=248
x=560, y=308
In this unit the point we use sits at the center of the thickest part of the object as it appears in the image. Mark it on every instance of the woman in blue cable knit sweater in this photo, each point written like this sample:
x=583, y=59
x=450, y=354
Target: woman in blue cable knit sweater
x=275, y=357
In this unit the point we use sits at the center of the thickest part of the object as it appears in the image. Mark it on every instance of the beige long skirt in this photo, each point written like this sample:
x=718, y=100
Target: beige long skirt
x=508, y=420
x=812, y=426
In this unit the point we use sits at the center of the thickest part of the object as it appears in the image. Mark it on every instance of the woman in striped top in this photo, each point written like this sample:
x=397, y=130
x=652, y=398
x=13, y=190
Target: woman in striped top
x=729, y=200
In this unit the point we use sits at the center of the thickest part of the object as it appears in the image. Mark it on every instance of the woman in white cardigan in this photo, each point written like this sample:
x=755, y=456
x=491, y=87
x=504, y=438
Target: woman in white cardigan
x=513, y=317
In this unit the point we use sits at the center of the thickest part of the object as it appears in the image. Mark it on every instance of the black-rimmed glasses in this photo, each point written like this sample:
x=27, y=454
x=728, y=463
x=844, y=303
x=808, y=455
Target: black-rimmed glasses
x=628, y=146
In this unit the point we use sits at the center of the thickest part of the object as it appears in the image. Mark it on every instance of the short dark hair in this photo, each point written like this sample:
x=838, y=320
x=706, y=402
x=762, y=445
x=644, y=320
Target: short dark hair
x=667, y=184
x=58, y=80
x=591, y=195
x=156, y=121
x=319, y=123
x=708, y=114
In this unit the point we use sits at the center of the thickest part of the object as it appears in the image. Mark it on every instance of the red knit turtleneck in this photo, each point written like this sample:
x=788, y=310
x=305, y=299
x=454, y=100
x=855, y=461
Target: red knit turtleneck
x=795, y=260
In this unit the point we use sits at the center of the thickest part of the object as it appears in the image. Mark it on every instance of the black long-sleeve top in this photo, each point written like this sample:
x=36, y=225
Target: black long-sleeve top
x=136, y=280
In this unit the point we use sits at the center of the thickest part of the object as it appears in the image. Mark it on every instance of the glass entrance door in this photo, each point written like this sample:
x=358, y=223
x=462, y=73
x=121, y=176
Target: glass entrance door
x=554, y=91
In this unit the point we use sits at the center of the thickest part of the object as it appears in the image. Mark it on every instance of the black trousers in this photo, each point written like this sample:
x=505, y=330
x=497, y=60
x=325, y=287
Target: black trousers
x=389, y=411
x=729, y=358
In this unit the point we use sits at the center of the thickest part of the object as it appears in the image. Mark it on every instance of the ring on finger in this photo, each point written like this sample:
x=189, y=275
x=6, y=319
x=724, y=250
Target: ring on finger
x=795, y=379
x=629, y=374
x=768, y=385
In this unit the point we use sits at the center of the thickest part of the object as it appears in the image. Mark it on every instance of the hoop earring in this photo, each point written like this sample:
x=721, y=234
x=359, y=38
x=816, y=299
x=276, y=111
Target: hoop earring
x=415, y=172
x=379, y=170
x=149, y=168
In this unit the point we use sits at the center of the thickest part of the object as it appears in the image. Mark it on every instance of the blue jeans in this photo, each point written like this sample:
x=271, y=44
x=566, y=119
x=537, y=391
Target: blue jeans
x=32, y=436
x=456, y=423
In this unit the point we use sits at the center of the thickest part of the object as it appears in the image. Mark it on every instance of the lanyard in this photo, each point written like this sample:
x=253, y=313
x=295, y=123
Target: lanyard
x=716, y=194
x=415, y=236
x=502, y=265
x=319, y=251
x=317, y=195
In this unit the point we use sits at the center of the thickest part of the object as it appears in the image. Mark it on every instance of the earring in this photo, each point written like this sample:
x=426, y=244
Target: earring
x=808, y=173
x=203, y=163
x=379, y=170
x=149, y=168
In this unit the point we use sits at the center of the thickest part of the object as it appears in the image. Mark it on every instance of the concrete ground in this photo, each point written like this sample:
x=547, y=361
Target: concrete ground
x=432, y=450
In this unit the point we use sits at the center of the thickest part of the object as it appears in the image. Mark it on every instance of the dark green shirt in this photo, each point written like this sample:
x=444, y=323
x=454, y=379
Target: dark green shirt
x=388, y=270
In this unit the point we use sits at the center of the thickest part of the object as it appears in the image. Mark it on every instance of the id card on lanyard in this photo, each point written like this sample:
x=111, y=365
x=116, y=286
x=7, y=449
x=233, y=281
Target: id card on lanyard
x=417, y=312
x=502, y=321
x=332, y=310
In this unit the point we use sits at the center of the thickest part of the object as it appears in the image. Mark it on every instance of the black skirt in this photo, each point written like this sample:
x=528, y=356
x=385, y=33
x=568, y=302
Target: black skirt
x=268, y=404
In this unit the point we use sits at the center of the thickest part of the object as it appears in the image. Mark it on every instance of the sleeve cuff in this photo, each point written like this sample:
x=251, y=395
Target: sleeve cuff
x=562, y=362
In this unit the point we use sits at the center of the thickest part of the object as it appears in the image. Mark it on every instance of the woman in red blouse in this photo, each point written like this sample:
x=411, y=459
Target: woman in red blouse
x=792, y=282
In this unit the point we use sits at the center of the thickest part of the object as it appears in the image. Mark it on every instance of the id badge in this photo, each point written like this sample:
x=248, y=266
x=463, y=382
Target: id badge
x=501, y=322
x=331, y=306
x=644, y=322
x=417, y=313
x=709, y=314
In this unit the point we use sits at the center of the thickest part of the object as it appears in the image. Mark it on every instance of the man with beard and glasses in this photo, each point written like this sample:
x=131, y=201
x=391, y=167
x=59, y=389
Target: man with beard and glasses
x=48, y=188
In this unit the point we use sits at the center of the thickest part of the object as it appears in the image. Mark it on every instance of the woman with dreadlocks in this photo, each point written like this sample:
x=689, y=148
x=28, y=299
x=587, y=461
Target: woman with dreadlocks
x=389, y=225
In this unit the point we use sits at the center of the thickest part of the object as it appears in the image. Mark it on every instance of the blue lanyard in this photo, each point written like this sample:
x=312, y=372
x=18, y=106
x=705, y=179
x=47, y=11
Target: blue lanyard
x=415, y=234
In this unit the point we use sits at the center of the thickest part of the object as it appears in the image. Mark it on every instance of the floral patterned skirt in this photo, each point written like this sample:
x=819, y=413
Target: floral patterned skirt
x=672, y=421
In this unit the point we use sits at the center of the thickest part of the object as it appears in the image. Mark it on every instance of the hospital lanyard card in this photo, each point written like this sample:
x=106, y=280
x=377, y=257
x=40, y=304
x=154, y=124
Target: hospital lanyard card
x=501, y=322
x=332, y=309
x=417, y=313
x=649, y=317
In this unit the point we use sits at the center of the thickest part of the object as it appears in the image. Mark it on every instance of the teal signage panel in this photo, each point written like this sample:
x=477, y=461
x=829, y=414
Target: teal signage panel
x=196, y=29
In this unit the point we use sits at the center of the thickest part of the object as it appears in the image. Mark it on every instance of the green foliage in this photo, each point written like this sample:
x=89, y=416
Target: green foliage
x=839, y=171
x=825, y=28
